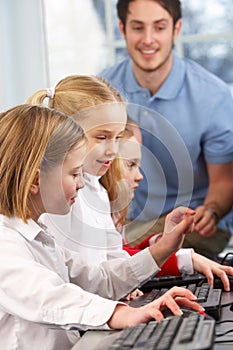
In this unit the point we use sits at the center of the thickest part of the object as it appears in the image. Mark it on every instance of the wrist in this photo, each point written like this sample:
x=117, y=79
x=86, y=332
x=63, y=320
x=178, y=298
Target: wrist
x=185, y=260
x=160, y=252
x=213, y=213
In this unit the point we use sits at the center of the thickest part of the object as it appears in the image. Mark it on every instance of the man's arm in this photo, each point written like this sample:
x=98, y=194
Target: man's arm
x=219, y=198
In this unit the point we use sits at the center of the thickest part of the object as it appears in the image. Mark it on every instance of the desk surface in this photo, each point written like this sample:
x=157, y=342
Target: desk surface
x=226, y=315
x=100, y=340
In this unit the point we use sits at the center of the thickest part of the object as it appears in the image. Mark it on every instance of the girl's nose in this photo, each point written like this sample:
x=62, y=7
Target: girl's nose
x=139, y=175
x=112, y=147
x=80, y=182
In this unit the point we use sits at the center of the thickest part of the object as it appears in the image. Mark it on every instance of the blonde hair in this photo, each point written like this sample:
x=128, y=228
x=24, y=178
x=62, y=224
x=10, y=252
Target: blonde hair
x=78, y=93
x=118, y=213
x=31, y=138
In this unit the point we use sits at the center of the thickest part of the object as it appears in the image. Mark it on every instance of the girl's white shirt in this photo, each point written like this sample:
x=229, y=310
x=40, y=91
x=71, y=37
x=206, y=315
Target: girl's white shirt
x=45, y=287
x=88, y=228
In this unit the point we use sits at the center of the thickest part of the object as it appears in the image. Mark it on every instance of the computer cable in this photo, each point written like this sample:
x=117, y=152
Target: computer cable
x=224, y=261
x=227, y=304
x=224, y=333
x=223, y=341
x=224, y=321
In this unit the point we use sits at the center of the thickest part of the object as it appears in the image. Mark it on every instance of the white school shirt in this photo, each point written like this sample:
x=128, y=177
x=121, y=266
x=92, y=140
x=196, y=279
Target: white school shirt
x=41, y=295
x=89, y=229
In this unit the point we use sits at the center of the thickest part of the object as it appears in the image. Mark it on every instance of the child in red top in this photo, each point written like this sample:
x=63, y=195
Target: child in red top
x=130, y=154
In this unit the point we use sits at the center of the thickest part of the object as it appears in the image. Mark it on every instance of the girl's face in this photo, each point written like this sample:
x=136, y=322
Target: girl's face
x=103, y=127
x=59, y=186
x=130, y=152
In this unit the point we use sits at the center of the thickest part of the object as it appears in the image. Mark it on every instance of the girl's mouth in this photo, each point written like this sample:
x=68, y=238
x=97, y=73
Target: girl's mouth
x=106, y=164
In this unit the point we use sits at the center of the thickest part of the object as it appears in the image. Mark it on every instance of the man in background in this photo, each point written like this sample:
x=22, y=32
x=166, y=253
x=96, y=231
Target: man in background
x=186, y=117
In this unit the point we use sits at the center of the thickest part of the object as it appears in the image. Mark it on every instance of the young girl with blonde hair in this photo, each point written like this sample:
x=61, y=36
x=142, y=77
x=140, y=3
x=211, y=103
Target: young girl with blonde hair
x=101, y=112
x=47, y=290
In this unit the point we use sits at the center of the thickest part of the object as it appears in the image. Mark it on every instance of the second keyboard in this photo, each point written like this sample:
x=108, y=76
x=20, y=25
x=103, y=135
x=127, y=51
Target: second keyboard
x=208, y=297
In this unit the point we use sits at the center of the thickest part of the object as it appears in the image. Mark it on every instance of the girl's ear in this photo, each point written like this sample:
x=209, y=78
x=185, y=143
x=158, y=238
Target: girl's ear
x=35, y=186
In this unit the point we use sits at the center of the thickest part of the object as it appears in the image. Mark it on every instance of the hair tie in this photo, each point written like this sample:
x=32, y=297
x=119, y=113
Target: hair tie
x=50, y=92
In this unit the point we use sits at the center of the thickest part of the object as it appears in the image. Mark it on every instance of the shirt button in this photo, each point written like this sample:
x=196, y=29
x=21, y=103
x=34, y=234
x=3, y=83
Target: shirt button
x=95, y=320
x=144, y=95
x=99, y=220
x=145, y=112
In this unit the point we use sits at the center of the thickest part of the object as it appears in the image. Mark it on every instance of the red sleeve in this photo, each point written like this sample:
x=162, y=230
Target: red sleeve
x=170, y=267
x=145, y=243
x=131, y=250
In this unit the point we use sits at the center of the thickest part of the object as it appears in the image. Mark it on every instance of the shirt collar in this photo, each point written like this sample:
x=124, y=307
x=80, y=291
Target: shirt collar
x=29, y=231
x=170, y=87
x=92, y=181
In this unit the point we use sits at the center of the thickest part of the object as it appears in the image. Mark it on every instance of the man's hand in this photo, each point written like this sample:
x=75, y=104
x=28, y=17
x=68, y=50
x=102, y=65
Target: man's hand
x=205, y=221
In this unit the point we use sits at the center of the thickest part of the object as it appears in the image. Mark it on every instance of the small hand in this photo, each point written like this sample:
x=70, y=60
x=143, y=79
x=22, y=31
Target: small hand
x=210, y=268
x=178, y=223
x=134, y=294
x=124, y=316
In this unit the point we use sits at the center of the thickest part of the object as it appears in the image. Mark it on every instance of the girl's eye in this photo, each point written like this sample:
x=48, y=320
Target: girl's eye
x=78, y=174
x=101, y=137
x=131, y=165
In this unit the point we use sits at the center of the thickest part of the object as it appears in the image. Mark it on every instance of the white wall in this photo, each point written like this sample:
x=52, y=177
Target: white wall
x=23, y=59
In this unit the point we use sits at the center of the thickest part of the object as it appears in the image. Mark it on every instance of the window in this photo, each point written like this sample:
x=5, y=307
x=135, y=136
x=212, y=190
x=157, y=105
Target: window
x=83, y=36
x=207, y=35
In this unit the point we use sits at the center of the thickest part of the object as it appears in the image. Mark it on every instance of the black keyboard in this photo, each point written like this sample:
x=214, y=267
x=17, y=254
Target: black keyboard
x=208, y=297
x=193, y=332
x=170, y=281
x=147, y=298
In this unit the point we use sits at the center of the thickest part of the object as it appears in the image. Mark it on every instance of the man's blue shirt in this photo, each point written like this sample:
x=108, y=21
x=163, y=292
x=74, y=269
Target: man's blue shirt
x=186, y=124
